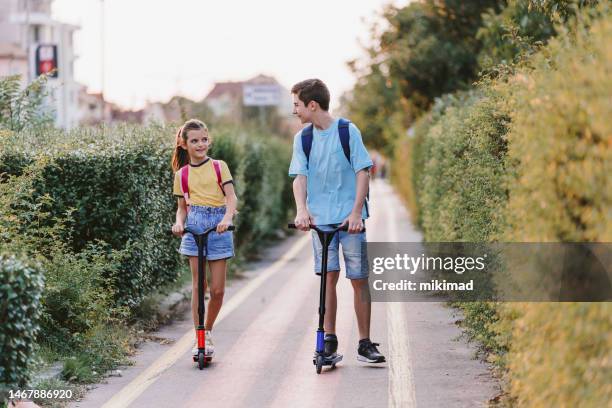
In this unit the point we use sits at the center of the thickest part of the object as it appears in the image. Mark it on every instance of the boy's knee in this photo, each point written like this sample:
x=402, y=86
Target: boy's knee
x=217, y=293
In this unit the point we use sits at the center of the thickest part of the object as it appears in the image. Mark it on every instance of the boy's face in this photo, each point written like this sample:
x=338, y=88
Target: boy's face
x=197, y=144
x=300, y=110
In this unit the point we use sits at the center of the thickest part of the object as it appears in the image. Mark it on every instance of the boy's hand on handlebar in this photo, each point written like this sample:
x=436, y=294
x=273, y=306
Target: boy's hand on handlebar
x=178, y=230
x=223, y=225
x=303, y=220
x=355, y=223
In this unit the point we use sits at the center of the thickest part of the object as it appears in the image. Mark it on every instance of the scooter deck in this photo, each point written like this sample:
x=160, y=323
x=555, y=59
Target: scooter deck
x=327, y=361
x=207, y=358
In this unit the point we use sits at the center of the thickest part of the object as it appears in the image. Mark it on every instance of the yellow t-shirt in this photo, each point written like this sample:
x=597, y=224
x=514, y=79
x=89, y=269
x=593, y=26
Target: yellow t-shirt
x=203, y=187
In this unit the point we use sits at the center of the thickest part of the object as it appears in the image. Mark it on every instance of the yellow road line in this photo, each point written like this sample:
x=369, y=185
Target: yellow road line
x=401, y=382
x=139, y=384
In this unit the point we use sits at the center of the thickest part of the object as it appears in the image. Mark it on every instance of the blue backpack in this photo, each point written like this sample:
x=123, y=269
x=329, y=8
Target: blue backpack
x=343, y=132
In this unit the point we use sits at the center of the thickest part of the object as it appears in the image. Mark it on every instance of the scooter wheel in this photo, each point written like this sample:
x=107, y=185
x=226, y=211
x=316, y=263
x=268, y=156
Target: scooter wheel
x=201, y=361
x=319, y=364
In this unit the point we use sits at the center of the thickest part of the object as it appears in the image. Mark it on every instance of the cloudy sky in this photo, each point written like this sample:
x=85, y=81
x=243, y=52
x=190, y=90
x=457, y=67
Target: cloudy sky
x=156, y=49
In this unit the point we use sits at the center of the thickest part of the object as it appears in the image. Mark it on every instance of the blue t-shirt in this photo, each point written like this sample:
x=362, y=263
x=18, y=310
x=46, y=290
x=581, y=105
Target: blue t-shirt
x=332, y=180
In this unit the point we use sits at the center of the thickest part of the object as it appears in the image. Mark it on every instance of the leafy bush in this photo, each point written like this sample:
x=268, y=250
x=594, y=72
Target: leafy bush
x=560, y=190
x=559, y=142
x=92, y=206
x=560, y=354
x=527, y=158
x=512, y=34
x=456, y=169
x=461, y=189
x=105, y=350
x=263, y=186
x=22, y=108
x=21, y=284
x=76, y=299
x=402, y=175
x=78, y=295
x=117, y=185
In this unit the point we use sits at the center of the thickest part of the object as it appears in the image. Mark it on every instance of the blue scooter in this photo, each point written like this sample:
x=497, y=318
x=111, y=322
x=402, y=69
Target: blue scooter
x=319, y=359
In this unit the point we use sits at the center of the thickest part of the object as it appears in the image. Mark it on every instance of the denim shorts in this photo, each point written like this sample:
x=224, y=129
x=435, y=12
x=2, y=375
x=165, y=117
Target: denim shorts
x=353, y=249
x=199, y=219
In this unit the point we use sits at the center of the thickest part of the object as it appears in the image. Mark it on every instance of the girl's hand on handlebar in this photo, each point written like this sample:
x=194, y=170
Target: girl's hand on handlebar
x=178, y=230
x=223, y=225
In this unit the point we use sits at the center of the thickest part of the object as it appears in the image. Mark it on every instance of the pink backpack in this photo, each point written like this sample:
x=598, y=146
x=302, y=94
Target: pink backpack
x=185, y=180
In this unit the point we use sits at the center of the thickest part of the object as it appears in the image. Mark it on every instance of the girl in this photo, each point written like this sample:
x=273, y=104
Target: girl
x=209, y=200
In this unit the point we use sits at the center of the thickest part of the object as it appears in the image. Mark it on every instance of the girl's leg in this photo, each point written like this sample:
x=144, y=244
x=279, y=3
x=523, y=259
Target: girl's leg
x=193, y=263
x=217, y=290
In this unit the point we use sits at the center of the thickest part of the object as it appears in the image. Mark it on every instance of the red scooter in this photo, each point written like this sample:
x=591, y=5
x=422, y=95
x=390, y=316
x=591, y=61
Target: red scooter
x=202, y=242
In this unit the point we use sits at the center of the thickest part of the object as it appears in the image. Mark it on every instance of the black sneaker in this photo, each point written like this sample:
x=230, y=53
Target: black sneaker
x=331, y=345
x=368, y=353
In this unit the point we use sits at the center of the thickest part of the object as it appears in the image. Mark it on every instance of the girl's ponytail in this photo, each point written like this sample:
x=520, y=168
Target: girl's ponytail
x=180, y=157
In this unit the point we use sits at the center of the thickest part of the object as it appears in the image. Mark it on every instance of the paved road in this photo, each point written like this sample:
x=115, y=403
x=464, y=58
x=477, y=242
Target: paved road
x=265, y=339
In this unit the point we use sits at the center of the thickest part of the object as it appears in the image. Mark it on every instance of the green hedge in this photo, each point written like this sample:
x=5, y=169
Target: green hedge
x=561, y=190
x=117, y=184
x=456, y=168
x=527, y=157
x=560, y=146
x=92, y=206
x=21, y=284
x=263, y=187
x=462, y=188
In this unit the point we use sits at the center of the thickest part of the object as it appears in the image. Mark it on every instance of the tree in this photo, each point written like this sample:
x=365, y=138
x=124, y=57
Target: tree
x=431, y=47
x=514, y=32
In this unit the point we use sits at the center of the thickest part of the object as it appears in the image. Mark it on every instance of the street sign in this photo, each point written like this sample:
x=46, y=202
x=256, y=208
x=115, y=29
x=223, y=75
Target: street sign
x=261, y=95
x=46, y=60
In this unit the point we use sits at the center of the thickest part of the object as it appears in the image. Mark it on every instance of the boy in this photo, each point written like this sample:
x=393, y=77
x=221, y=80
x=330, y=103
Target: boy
x=330, y=189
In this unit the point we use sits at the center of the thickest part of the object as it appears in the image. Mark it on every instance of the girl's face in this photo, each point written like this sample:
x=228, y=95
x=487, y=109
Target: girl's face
x=197, y=144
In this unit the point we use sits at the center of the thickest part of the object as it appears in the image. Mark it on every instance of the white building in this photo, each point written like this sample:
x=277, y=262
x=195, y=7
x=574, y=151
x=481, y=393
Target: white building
x=25, y=24
x=92, y=110
x=153, y=112
x=226, y=99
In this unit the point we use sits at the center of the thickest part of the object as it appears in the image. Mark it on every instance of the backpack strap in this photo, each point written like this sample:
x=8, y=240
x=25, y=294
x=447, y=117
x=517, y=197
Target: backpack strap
x=185, y=184
x=307, y=141
x=217, y=168
x=343, y=131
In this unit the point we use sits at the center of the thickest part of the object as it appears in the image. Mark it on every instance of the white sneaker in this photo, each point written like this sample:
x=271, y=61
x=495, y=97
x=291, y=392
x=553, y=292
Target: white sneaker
x=208, y=344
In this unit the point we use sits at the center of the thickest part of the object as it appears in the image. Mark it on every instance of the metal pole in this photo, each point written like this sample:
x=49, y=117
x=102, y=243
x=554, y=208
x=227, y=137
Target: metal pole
x=324, y=238
x=27, y=40
x=102, y=41
x=202, y=241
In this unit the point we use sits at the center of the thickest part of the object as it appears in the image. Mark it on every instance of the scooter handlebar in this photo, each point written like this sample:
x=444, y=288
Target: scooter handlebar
x=314, y=227
x=206, y=232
